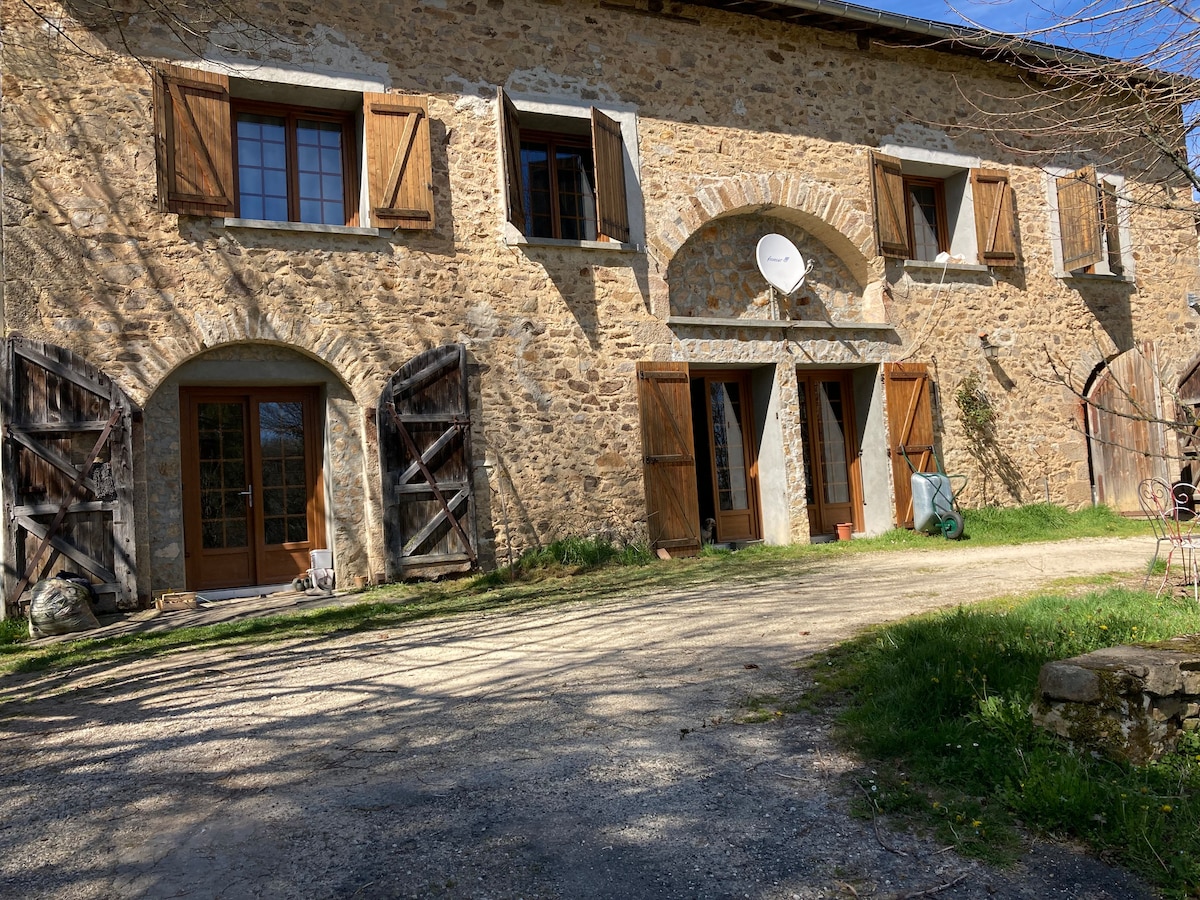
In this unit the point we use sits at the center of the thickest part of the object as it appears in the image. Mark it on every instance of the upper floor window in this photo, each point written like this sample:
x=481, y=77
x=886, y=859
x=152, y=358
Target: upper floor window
x=294, y=165
x=935, y=204
x=565, y=175
x=1090, y=224
x=237, y=148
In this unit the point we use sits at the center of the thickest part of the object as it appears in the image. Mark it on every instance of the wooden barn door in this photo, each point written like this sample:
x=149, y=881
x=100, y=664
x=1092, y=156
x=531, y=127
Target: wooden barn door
x=1124, y=425
x=68, y=474
x=424, y=420
x=908, y=392
x=669, y=457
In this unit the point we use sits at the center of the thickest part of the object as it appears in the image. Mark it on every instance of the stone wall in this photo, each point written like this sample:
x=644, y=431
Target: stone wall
x=743, y=127
x=1133, y=702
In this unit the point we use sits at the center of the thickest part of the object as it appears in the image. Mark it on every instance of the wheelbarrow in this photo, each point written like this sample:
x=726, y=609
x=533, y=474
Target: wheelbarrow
x=935, y=500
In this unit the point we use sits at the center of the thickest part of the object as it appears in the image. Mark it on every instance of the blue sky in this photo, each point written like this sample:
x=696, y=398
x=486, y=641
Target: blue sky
x=1002, y=15
x=1024, y=16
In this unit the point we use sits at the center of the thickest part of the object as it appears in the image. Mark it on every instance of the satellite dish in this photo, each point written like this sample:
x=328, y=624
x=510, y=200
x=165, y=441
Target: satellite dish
x=781, y=263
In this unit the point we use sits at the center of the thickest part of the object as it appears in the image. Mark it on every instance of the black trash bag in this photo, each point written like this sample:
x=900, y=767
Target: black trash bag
x=60, y=606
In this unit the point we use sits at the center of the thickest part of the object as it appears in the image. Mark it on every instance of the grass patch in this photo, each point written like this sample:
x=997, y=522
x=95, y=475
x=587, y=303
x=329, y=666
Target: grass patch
x=940, y=704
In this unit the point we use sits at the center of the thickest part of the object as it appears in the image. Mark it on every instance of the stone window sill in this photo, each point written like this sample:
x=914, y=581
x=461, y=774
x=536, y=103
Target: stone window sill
x=611, y=246
x=300, y=227
x=1094, y=276
x=925, y=265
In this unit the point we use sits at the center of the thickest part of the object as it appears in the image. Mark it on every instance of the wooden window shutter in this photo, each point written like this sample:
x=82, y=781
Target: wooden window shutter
x=612, y=210
x=193, y=142
x=995, y=217
x=891, y=212
x=399, y=161
x=1112, y=227
x=510, y=147
x=909, y=401
x=669, y=457
x=1079, y=219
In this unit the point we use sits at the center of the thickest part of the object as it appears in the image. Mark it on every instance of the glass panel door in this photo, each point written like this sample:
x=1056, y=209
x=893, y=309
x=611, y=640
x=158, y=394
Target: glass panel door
x=251, y=469
x=723, y=428
x=830, y=458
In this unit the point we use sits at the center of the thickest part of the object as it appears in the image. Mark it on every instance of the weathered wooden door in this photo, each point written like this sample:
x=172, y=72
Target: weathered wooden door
x=1125, y=431
x=424, y=420
x=908, y=392
x=252, y=499
x=68, y=474
x=669, y=457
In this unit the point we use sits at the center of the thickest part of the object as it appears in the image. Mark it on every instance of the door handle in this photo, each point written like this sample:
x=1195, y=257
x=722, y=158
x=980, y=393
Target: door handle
x=248, y=493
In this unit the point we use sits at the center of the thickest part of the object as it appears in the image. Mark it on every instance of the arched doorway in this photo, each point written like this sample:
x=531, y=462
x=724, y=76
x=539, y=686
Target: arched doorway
x=1125, y=427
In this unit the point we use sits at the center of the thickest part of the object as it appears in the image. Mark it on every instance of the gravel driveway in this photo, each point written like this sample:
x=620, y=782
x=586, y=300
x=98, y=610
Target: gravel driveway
x=584, y=751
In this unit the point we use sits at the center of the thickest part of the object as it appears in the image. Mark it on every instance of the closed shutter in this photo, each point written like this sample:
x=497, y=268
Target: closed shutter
x=399, y=161
x=424, y=421
x=891, y=214
x=68, y=474
x=669, y=457
x=612, y=209
x=907, y=387
x=1126, y=440
x=995, y=217
x=510, y=147
x=1079, y=219
x=193, y=142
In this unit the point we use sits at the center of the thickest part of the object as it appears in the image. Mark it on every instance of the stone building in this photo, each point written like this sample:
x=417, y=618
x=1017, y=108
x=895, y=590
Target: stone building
x=430, y=283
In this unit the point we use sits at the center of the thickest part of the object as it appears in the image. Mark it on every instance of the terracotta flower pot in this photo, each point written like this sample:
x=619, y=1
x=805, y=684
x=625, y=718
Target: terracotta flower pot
x=844, y=530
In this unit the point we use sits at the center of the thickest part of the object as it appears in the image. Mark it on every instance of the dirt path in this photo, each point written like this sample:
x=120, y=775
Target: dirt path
x=579, y=752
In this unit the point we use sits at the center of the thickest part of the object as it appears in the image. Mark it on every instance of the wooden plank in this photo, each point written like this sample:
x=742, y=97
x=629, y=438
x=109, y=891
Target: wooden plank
x=910, y=430
x=67, y=549
x=669, y=455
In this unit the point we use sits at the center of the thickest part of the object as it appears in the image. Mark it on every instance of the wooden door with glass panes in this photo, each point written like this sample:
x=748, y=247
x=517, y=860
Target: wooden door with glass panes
x=830, y=456
x=727, y=460
x=251, y=484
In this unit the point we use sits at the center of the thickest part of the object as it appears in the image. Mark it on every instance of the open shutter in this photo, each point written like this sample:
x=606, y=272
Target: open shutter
x=424, y=421
x=510, y=146
x=1112, y=227
x=907, y=387
x=995, y=217
x=669, y=457
x=399, y=161
x=193, y=142
x=1079, y=219
x=612, y=209
x=1126, y=440
x=891, y=212
x=68, y=474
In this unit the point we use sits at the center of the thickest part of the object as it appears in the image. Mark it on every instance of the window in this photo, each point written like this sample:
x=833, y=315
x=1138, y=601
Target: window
x=933, y=205
x=293, y=165
x=564, y=174
x=235, y=148
x=1090, y=228
x=558, y=198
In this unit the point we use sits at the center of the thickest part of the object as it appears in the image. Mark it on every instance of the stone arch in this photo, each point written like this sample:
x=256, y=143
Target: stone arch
x=333, y=348
x=817, y=208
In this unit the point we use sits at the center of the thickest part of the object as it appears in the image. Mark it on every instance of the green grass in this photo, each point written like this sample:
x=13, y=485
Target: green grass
x=940, y=703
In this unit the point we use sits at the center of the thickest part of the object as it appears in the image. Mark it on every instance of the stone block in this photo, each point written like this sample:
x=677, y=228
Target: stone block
x=1070, y=682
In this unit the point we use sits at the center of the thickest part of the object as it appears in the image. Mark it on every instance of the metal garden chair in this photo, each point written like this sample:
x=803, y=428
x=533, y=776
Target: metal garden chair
x=1170, y=511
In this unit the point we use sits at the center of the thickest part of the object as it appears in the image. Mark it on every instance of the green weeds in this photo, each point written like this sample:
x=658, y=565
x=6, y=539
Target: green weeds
x=944, y=700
